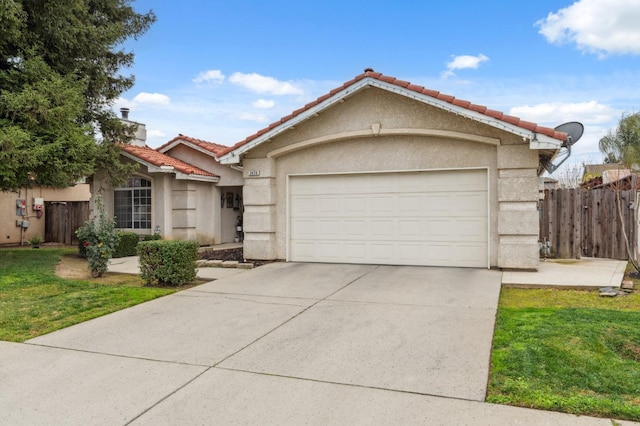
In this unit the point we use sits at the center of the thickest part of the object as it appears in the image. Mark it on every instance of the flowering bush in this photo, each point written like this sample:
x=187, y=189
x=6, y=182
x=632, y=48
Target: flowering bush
x=98, y=239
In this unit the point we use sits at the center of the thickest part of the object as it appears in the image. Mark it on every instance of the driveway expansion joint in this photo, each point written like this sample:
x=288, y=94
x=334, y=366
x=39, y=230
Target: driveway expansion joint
x=167, y=396
x=139, y=358
x=417, y=305
x=354, y=385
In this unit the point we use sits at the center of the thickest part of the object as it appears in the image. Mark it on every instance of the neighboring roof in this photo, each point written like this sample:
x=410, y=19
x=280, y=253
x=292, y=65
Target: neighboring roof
x=544, y=137
x=597, y=169
x=158, y=162
x=198, y=144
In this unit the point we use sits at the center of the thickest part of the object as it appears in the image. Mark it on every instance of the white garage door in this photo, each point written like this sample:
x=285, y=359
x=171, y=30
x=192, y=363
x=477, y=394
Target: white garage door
x=418, y=218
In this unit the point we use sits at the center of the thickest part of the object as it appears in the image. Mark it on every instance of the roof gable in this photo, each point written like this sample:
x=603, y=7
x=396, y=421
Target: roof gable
x=539, y=137
x=206, y=147
x=158, y=162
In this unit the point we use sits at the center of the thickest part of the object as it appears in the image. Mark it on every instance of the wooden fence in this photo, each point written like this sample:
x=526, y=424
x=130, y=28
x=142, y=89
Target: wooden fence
x=62, y=219
x=586, y=223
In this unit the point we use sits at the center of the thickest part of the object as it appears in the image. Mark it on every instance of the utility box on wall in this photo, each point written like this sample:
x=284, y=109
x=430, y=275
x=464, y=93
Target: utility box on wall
x=38, y=203
x=38, y=206
x=21, y=207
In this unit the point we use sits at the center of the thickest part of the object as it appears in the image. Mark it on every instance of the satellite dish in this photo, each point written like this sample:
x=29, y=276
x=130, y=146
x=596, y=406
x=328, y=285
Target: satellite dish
x=574, y=131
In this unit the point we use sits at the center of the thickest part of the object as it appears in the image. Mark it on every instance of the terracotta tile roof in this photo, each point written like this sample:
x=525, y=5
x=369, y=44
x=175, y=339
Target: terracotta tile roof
x=215, y=148
x=497, y=115
x=158, y=159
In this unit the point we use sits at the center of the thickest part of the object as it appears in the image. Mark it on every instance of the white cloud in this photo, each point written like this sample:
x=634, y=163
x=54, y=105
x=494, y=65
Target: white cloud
x=151, y=98
x=215, y=76
x=155, y=134
x=596, y=26
x=248, y=116
x=590, y=112
x=263, y=104
x=262, y=84
x=463, y=62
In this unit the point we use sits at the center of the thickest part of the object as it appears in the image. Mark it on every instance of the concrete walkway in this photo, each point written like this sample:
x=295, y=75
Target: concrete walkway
x=589, y=273
x=131, y=265
x=585, y=273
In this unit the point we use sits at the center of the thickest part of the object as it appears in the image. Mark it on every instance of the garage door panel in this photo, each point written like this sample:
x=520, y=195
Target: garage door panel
x=304, y=205
x=439, y=230
x=410, y=228
x=305, y=250
x=354, y=205
x=471, y=255
x=416, y=218
x=411, y=203
x=355, y=251
x=410, y=254
x=470, y=204
x=303, y=228
x=437, y=205
x=381, y=204
x=379, y=252
x=330, y=228
x=355, y=228
x=382, y=228
x=471, y=229
x=438, y=254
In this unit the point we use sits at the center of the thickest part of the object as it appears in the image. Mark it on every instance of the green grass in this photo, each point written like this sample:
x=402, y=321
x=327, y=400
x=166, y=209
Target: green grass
x=34, y=301
x=569, y=351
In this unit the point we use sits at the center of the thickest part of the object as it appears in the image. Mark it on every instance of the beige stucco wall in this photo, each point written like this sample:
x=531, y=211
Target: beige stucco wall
x=183, y=209
x=10, y=233
x=378, y=131
x=231, y=181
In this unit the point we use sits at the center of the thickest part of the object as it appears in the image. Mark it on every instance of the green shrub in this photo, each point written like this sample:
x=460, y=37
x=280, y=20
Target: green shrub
x=168, y=262
x=127, y=244
x=99, y=239
x=152, y=237
x=82, y=247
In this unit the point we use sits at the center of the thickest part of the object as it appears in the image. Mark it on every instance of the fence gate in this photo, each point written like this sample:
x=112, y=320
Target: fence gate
x=586, y=223
x=62, y=218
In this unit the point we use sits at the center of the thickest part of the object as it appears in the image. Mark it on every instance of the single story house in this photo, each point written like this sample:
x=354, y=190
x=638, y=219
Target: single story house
x=180, y=190
x=382, y=171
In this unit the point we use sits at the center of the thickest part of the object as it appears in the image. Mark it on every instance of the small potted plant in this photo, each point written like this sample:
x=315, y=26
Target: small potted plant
x=35, y=241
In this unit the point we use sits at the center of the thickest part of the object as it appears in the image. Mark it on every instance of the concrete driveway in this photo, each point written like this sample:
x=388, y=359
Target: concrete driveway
x=286, y=343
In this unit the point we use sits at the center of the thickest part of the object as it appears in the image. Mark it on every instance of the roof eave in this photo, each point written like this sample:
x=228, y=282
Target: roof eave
x=536, y=140
x=233, y=157
x=542, y=142
x=199, y=178
x=152, y=168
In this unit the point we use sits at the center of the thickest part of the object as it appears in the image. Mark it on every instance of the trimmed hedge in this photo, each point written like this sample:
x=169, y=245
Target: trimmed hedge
x=168, y=262
x=127, y=244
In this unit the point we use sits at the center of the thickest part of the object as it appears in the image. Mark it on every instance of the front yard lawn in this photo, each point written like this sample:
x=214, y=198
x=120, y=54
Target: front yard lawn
x=34, y=301
x=566, y=350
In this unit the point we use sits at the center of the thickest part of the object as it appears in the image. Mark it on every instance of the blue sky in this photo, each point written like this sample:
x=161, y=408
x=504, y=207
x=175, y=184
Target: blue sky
x=221, y=70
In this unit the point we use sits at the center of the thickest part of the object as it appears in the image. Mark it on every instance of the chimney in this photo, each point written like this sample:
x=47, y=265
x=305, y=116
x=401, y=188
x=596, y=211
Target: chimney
x=140, y=137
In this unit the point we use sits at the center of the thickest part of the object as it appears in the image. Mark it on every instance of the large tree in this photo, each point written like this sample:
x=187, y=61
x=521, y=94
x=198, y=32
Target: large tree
x=60, y=72
x=622, y=145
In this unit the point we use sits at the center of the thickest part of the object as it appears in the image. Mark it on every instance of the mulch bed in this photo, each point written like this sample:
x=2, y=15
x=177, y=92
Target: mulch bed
x=230, y=254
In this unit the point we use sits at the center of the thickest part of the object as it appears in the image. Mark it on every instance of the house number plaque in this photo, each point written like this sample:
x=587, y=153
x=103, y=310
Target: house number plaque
x=254, y=172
